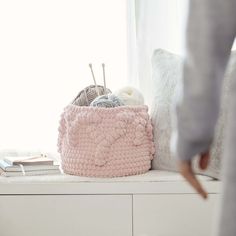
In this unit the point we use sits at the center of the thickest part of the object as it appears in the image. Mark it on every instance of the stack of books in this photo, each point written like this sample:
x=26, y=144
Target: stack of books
x=28, y=166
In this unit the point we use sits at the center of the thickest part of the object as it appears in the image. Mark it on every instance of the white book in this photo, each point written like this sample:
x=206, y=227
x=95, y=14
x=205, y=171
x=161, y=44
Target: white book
x=7, y=167
x=29, y=173
x=28, y=160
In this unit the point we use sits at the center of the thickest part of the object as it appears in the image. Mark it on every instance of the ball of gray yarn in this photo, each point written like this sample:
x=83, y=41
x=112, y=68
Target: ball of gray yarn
x=109, y=100
x=88, y=94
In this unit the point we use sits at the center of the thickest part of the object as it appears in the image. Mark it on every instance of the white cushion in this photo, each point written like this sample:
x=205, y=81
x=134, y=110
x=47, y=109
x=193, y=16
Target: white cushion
x=167, y=72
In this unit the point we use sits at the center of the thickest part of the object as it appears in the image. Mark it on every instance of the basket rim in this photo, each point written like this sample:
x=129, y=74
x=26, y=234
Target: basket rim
x=102, y=109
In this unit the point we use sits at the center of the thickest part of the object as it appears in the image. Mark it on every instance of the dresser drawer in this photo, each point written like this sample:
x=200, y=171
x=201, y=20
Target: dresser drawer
x=173, y=215
x=60, y=215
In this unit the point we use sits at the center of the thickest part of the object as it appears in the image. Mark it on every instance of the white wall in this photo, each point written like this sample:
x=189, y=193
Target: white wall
x=45, y=48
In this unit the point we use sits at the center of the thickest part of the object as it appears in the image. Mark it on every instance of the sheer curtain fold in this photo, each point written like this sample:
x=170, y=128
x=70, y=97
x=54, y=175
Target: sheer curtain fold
x=152, y=24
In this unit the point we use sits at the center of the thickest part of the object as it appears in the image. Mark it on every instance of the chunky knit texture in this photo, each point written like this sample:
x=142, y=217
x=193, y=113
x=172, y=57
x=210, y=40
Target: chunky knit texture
x=102, y=142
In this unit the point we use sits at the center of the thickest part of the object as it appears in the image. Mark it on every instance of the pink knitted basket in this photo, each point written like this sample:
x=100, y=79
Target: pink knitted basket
x=105, y=142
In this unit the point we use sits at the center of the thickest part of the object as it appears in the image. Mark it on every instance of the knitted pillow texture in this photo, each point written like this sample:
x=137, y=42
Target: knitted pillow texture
x=167, y=69
x=105, y=142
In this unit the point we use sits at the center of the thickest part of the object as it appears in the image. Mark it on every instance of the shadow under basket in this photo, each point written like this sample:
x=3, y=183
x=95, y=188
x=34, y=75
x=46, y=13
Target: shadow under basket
x=105, y=142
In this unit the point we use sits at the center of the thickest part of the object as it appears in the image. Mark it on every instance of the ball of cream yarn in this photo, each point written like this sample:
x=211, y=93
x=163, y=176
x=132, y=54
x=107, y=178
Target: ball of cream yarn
x=130, y=96
x=108, y=100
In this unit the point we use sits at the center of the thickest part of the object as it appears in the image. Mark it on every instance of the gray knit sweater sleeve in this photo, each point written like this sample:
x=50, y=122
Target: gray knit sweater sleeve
x=210, y=33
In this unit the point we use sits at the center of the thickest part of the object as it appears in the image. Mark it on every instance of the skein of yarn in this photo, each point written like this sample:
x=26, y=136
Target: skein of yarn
x=88, y=94
x=130, y=96
x=108, y=100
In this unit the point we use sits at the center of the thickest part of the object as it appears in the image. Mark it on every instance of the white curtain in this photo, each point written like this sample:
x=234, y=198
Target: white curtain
x=45, y=49
x=152, y=24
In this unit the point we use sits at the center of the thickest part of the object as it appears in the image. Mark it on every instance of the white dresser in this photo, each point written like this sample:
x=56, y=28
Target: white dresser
x=157, y=203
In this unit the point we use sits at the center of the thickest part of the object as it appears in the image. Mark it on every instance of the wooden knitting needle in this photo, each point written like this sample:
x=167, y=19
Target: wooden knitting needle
x=94, y=80
x=104, y=78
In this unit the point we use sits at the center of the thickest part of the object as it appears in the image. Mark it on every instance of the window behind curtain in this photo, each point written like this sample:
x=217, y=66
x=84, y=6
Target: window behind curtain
x=45, y=48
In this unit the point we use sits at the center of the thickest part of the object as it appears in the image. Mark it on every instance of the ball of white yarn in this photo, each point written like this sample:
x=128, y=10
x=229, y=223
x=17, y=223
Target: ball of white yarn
x=108, y=100
x=130, y=96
